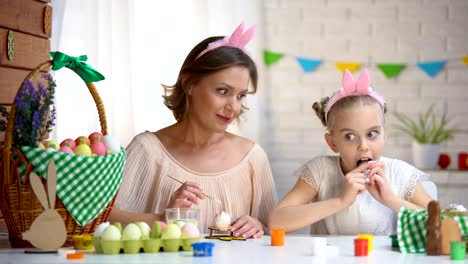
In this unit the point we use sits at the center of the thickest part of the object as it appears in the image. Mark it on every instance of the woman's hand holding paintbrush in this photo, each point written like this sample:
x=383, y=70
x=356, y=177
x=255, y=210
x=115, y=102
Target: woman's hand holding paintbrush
x=189, y=193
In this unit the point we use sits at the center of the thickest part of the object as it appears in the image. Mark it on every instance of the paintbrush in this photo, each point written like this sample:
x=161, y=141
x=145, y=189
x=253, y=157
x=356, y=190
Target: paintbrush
x=205, y=194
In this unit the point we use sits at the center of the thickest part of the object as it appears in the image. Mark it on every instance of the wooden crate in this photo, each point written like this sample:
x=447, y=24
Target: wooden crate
x=25, y=29
x=29, y=50
x=28, y=16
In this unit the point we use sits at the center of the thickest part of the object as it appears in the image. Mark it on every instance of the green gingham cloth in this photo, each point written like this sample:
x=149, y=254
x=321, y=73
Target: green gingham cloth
x=412, y=226
x=85, y=185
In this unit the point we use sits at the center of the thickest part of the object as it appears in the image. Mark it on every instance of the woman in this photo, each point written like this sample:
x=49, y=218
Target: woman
x=197, y=149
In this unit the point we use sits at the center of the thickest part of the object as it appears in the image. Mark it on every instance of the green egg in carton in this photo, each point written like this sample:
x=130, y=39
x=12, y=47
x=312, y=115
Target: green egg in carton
x=145, y=245
x=138, y=237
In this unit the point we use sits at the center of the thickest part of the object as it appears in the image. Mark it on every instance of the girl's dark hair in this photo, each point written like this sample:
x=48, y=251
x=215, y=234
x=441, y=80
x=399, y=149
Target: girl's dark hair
x=350, y=101
x=319, y=108
x=194, y=69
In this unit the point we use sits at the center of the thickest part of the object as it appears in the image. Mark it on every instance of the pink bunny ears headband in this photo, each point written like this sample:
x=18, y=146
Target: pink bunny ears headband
x=351, y=88
x=238, y=39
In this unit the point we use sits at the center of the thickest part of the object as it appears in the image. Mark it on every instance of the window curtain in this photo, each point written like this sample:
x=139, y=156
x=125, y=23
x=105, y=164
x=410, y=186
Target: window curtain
x=139, y=45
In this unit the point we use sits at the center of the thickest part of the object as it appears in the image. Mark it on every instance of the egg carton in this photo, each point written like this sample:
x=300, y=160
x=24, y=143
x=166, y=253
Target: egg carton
x=152, y=245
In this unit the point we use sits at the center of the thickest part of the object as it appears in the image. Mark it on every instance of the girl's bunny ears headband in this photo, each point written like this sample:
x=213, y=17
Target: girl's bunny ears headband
x=238, y=39
x=351, y=88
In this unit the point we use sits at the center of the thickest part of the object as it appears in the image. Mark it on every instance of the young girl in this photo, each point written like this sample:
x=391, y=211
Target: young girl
x=358, y=191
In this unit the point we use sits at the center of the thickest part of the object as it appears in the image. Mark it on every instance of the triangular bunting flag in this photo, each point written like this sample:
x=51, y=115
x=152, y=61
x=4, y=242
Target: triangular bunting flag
x=391, y=70
x=432, y=68
x=308, y=65
x=464, y=59
x=271, y=57
x=351, y=66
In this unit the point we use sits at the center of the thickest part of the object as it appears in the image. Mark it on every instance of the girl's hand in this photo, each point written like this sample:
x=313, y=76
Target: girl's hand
x=353, y=185
x=247, y=227
x=379, y=187
x=189, y=193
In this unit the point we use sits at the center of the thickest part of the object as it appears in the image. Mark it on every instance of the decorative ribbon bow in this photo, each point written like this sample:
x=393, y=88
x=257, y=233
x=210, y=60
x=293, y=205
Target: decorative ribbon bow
x=77, y=64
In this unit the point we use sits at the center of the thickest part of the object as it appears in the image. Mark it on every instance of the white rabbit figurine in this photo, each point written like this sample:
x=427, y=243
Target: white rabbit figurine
x=48, y=231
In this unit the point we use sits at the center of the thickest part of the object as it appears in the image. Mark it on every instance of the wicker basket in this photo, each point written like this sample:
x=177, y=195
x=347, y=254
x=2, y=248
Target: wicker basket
x=18, y=202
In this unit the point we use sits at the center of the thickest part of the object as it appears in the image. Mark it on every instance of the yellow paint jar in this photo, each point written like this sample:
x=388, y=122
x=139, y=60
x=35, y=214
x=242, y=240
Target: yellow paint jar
x=370, y=239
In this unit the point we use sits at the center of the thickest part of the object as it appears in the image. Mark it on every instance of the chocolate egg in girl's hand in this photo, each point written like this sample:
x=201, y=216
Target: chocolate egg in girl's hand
x=365, y=172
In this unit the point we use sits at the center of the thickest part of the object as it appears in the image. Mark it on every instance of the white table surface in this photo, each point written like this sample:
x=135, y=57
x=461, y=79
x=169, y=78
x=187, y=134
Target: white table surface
x=297, y=249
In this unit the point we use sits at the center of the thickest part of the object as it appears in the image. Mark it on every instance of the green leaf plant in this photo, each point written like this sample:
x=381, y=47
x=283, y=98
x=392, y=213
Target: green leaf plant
x=428, y=128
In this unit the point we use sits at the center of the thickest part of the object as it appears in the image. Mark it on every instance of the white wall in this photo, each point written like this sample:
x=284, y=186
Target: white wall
x=368, y=31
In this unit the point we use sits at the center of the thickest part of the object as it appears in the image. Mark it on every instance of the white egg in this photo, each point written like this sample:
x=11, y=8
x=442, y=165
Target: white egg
x=144, y=228
x=111, y=233
x=223, y=220
x=131, y=232
x=100, y=229
x=111, y=143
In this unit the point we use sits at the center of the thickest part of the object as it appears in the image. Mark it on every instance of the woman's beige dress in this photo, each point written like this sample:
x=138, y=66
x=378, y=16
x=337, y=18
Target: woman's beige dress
x=246, y=189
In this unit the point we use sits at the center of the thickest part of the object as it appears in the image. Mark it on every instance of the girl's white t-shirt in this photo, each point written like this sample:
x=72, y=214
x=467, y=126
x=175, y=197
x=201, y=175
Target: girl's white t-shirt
x=365, y=215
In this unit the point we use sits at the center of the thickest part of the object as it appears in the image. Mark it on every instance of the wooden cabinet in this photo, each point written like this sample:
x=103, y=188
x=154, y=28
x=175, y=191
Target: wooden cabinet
x=25, y=30
x=28, y=16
